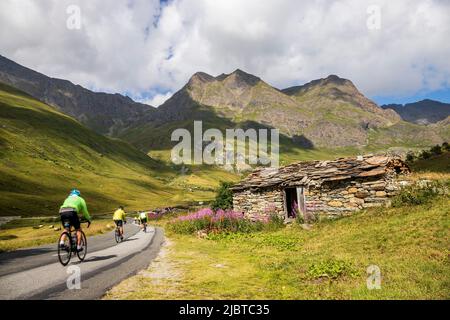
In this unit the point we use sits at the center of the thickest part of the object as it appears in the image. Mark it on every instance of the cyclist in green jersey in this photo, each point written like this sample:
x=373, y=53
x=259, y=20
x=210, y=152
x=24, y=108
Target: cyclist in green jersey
x=69, y=211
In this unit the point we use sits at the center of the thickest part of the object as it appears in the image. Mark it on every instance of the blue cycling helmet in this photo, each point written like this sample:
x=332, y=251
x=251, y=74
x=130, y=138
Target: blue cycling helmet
x=75, y=192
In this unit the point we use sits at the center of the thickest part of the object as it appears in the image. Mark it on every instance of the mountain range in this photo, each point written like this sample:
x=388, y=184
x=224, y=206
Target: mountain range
x=422, y=112
x=326, y=113
x=104, y=113
x=55, y=135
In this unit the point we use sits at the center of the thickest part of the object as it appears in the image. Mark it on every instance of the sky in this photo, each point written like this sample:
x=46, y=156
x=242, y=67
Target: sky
x=393, y=51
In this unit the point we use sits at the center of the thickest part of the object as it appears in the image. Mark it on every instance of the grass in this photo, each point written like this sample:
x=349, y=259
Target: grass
x=24, y=233
x=436, y=164
x=409, y=244
x=44, y=154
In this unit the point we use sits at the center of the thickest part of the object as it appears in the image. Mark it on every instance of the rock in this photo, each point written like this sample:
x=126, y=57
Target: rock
x=380, y=194
x=352, y=190
x=57, y=229
x=404, y=183
x=306, y=226
x=40, y=226
x=357, y=200
x=351, y=205
x=202, y=234
x=51, y=227
x=362, y=194
x=379, y=187
x=335, y=203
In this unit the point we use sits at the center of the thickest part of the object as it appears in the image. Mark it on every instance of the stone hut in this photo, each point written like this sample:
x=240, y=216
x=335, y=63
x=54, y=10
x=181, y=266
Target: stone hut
x=314, y=188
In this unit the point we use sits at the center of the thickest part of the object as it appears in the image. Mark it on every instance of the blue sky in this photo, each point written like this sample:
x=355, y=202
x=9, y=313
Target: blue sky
x=439, y=95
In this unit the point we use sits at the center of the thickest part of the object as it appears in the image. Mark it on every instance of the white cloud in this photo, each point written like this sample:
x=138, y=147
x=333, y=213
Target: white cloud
x=137, y=46
x=157, y=100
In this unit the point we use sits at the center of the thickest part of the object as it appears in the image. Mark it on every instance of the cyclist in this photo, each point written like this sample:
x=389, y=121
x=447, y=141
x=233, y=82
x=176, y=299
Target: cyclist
x=69, y=211
x=143, y=217
x=119, y=219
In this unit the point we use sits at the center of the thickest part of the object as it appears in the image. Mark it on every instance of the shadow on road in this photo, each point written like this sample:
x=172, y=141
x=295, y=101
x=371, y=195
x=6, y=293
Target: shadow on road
x=6, y=256
x=92, y=259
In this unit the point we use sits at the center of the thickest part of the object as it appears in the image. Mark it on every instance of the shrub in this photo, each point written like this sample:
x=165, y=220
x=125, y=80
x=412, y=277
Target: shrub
x=425, y=154
x=436, y=150
x=420, y=193
x=216, y=222
x=224, y=197
x=299, y=219
x=190, y=223
x=410, y=157
x=275, y=222
x=223, y=221
x=331, y=269
x=445, y=146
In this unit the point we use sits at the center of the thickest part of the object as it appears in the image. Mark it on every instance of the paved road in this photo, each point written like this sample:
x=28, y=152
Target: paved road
x=36, y=273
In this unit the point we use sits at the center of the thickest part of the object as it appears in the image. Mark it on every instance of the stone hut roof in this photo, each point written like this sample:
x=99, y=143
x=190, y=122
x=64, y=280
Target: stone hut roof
x=318, y=172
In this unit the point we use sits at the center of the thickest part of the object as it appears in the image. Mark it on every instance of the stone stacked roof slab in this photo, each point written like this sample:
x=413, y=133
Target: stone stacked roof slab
x=318, y=172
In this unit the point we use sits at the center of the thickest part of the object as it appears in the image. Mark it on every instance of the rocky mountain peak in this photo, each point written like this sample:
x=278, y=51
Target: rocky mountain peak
x=200, y=77
x=241, y=78
x=336, y=80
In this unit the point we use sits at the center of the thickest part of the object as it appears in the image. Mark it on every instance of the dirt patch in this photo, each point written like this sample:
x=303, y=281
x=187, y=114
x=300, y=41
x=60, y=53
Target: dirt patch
x=161, y=268
x=159, y=281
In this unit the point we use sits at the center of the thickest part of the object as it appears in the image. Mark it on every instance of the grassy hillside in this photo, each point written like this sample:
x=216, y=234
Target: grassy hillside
x=409, y=244
x=436, y=164
x=44, y=154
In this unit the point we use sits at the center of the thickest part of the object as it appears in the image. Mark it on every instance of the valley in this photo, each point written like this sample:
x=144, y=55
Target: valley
x=45, y=153
x=118, y=151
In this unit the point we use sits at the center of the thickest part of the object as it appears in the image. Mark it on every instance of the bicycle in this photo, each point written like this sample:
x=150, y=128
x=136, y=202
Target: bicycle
x=69, y=248
x=144, y=226
x=117, y=235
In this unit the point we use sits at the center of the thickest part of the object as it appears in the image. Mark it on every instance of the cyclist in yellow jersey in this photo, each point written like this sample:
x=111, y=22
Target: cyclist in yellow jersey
x=119, y=219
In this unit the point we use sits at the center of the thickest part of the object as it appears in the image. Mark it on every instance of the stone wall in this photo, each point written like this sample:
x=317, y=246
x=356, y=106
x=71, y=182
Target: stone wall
x=345, y=197
x=331, y=199
x=259, y=203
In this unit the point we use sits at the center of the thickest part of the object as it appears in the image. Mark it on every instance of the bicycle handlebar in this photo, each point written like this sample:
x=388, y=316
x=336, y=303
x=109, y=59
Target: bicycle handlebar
x=86, y=221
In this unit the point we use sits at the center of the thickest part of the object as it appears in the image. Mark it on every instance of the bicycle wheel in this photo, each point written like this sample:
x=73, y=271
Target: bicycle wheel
x=117, y=235
x=81, y=255
x=65, y=252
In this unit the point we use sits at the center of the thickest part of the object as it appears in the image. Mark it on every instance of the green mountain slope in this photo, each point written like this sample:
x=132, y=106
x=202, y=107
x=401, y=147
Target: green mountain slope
x=43, y=154
x=102, y=112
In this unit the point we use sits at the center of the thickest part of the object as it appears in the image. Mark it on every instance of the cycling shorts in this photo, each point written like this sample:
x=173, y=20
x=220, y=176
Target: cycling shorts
x=69, y=218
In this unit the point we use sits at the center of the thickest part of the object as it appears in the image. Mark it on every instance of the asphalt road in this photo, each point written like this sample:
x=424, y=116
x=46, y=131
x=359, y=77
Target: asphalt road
x=37, y=274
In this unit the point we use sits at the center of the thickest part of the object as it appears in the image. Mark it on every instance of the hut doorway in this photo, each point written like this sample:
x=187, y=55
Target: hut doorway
x=294, y=201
